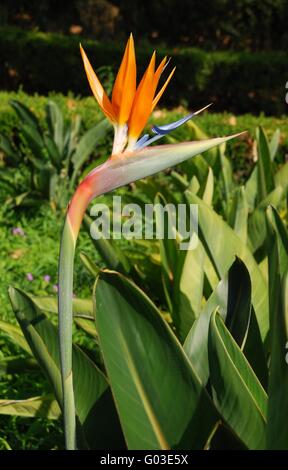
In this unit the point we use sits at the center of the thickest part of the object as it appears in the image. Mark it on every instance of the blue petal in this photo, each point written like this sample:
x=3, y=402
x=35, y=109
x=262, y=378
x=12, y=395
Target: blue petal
x=142, y=141
x=147, y=142
x=170, y=127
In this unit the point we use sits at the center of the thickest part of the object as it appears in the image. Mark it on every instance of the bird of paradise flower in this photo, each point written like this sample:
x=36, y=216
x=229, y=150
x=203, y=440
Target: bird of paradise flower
x=131, y=159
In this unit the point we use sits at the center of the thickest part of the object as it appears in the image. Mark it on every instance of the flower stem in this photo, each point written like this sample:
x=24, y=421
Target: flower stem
x=74, y=216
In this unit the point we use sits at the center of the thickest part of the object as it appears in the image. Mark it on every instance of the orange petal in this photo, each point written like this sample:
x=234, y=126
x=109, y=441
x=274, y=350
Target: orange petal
x=97, y=89
x=125, y=84
x=141, y=108
x=160, y=93
x=158, y=72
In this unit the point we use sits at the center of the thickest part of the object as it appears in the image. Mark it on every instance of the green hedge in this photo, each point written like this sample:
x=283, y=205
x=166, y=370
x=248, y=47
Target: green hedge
x=214, y=124
x=234, y=81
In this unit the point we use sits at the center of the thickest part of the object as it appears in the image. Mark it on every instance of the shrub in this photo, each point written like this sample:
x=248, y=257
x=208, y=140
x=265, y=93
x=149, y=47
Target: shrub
x=240, y=82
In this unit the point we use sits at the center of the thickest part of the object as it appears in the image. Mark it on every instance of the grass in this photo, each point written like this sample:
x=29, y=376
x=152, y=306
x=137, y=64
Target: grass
x=36, y=253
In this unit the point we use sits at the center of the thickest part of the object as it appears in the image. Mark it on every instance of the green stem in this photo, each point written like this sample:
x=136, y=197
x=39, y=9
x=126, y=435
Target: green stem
x=75, y=213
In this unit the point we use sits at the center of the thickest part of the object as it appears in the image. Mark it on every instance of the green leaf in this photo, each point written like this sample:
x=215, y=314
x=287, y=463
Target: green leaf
x=25, y=115
x=15, y=334
x=209, y=188
x=55, y=124
x=196, y=342
x=239, y=302
x=81, y=307
x=7, y=148
x=277, y=427
x=93, y=398
x=213, y=231
x=281, y=177
x=251, y=189
x=88, y=144
x=274, y=144
x=265, y=172
x=36, y=407
x=53, y=151
x=188, y=289
x=111, y=254
x=277, y=225
x=254, y=351
x=226, y=174
x=256, y=222
x=232, y=298
x=240, y=216
x=165, y=216
x=35, y=142
x=87, y=325
x=89, y=264
x=237, y=392
x=159, y=398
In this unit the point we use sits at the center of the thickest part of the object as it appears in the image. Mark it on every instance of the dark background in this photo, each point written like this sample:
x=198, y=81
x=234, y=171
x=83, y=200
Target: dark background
x=211, y=24
x=232, y=53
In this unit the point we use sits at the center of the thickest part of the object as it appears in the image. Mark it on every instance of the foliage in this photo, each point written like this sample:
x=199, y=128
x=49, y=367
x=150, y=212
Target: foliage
x=54, y=156
x=250, y=86
x=190, y=343
x=242, y=154
x=246, y=24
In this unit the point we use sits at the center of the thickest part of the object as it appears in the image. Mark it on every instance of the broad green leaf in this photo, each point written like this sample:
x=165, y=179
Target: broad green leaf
x=274, y=144
x=277, y=427
x=81, y=307
x=111, y=254
x=240, y=222
x=35, y=142
x=159, y=398
x=7, y=148
x=25, y=115
x=88, y=143
x=209, y=188
x=36, y=407
x=15, y=334
x=239, y=302
x=180, y=180
x=281, y=177
x=254, y=351
x=280, y=229
x=55, y=124
x=53, y=151
x=188, y=289
x=196, y=342
x=87, y=325
x=166, y=229
x=89, y=264
x=232, y=298
x=93, y=398
x=265, y=172
x=199, y=134
x=237, y=392
x=256, y=222
x=251, y=189
x=226, y=174
x=222, y=245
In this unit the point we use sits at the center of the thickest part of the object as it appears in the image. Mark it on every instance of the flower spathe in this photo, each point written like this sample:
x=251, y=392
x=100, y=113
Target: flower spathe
x=131, y=159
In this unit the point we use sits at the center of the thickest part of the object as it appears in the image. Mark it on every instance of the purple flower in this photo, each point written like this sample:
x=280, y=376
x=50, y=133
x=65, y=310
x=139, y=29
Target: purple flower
x=55, y=287
x=29, y=277
x=18, y=231
x=47, y=278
